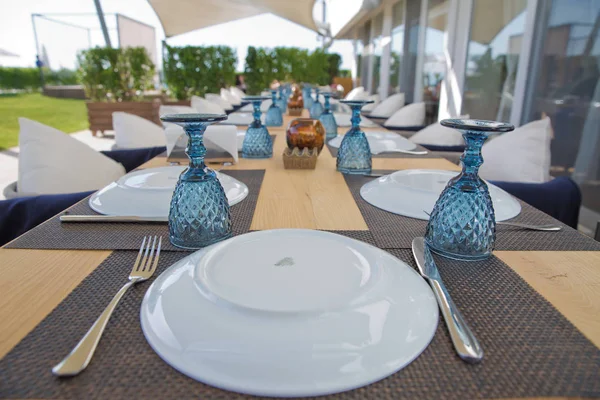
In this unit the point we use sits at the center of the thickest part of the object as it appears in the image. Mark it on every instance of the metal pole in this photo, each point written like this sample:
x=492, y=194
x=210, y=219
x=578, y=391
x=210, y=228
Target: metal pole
x=324, y=39
x=37, y=51
x=102, y=23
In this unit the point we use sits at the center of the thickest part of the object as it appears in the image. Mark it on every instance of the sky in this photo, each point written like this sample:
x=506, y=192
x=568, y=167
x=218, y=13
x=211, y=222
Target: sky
x=62, y=42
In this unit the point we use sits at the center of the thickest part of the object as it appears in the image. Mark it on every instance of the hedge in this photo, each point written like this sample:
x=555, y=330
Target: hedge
x=29, y=78
x=263, y=65
x=197, y=70
x=115, y=74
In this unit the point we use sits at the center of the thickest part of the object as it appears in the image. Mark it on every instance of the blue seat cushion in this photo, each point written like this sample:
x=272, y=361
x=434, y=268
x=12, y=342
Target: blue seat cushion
x=433, y=147
x=559, y=198
x=19, y=215
x=414, y=128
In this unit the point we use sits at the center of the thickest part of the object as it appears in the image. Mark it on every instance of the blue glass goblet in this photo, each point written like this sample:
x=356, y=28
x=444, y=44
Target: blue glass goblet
x=327, y=119
x=462, y=225
x=354, y=154
x=199, y=214
x=307, y=96
x=316, y=109
x=257, y=141
x=274, y=115
x=282, y=101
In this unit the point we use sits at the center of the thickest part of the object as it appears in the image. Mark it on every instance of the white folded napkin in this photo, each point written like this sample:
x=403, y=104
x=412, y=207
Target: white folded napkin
x=204, y=106
x=217, y=99
x=227, y=96
x=133, y=132
x=216, y=137
x=242, y=119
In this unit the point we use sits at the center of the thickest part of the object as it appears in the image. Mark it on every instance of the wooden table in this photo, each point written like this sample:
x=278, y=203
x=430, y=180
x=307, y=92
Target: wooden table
x=34, y=282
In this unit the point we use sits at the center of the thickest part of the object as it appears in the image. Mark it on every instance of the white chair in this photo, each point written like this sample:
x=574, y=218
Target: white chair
x=217, y=99
x=228, y=97
x=410, y=115
x=52, y=162
x=389, y=106
x=133, y=132
x=206, y=107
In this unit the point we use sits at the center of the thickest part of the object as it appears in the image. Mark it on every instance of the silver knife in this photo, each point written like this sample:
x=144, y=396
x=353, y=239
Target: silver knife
x=465, y=342
x=110, y=218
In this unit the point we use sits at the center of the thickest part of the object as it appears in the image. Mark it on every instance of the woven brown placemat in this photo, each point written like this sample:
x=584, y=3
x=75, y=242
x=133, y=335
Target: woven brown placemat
x=53, y=234
x=430, y=154
x=396, y=231
x=531, y=350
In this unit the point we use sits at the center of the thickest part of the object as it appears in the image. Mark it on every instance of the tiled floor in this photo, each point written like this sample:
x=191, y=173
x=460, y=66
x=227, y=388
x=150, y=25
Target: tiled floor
x=9, y=159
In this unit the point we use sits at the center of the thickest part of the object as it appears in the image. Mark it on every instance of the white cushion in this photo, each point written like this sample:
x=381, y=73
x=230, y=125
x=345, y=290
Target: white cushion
x=438, y=135
x=51, y=162
x=370, y=107
x=229, y=97
x=362, y=96
x=216, y=137
x=133, y=132
x=264, y=106
x=389, y=106
x=352, y=94
x=217, y=99
x=206, y=107
x=247, y=108
x=410, y=115
x=522, y=155
x=163, y=110
x=237, y=91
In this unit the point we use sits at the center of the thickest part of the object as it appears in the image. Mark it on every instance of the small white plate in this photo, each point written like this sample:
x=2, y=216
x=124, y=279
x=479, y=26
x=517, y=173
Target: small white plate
x=342, y=119
x=381, y=141
x=289, y=312
x=148, y=192
x=411, y=192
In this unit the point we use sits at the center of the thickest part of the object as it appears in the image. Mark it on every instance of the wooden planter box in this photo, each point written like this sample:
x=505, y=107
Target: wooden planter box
x=187, y=103
x=100, y=113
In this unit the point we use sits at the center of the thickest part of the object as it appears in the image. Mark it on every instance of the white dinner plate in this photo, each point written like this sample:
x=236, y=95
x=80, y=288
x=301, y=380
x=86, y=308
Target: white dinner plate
x=411, y=192
x=342, y=119
x=289, y=312
x=148, y=192
x=381, y=141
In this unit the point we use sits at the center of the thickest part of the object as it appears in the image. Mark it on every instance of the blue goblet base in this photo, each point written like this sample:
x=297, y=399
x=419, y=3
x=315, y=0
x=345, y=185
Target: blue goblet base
x=257, y=143
x=354, y=171
x=199, y=214
x=354, y=154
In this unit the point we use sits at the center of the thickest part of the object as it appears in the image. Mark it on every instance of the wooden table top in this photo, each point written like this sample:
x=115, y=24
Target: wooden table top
x=34, y=282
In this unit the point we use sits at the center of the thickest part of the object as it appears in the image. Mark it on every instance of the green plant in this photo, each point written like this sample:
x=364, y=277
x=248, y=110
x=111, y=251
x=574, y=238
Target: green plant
x=196, y=70
x=115, y=74
x=288, y=64
x=19, y=78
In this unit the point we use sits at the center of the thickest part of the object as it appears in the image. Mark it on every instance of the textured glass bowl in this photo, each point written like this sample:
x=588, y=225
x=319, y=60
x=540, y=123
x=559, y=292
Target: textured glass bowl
x=354, y=153
x=462, y=224
x=305, y=133
x=257, y=141
x=199, y=213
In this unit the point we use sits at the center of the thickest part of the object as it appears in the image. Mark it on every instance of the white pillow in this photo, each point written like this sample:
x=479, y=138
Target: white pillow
x=438, y=135
x=410, y=115
x=216, y=137
x=206, y=107
x=172, y=133
x=352, y=94
x=370, y=107
x=522, y=155
x=389, y=106
x=51, y=162
x=247, y=108
x=264, y=106
x=217, y=99
x=228, y=97
x=237, y=91
x=176, y=110
x=133, y=132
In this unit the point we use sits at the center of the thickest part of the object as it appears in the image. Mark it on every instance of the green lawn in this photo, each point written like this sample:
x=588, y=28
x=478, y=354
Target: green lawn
x=64, y=114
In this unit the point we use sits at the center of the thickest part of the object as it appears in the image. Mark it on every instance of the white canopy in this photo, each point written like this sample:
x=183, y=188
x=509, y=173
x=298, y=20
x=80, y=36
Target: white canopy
x=181, y=16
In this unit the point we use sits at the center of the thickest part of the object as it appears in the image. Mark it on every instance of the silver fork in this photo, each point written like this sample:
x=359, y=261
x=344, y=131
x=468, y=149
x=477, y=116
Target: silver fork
x=543, y=228
x=81, y=355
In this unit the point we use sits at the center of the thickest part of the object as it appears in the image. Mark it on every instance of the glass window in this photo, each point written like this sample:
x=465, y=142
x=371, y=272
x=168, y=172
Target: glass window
x=434, y=63
x=493, y=57
x=397, y=46
x=567, y=89
x=377, y=49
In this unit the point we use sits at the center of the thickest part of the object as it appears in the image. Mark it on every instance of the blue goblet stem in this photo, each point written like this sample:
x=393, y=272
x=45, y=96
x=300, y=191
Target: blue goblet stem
x=328, y=120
